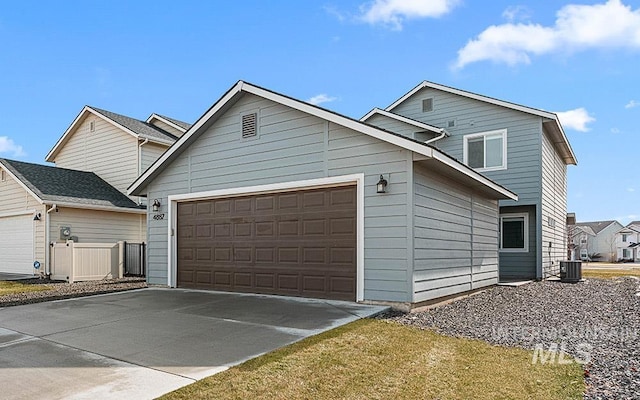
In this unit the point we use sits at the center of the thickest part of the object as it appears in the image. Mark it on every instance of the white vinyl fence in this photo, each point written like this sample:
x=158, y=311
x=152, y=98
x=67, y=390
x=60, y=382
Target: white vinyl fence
x=72, y=261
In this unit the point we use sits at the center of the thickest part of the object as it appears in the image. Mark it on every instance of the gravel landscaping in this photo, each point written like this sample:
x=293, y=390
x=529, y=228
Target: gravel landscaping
x=597, y=323
x=62, y=290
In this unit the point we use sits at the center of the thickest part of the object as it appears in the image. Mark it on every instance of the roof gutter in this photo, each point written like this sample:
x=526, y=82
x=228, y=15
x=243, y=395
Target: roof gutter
x=443, y=134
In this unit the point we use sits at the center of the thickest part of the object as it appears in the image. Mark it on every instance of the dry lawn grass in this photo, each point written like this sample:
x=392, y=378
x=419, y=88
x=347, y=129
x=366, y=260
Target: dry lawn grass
x=9, y=287
x=372, y=359
x=609, y=273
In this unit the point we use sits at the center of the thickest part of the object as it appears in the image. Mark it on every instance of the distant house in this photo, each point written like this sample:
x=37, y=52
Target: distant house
x=522, y=148
x=84, y=195
x=595, y=240
x=627, y=242
x=269, y=194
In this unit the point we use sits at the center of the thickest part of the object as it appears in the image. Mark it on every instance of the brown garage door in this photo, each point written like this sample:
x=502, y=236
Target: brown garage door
x=299, y=243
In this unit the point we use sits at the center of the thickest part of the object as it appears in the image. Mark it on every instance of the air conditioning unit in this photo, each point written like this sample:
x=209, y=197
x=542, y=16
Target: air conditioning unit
x=65, y=232
x=570, y=271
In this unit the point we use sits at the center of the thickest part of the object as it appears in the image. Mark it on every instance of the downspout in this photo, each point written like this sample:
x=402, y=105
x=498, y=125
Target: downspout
x=140, y=161
x=443, y=134
x=47, y=235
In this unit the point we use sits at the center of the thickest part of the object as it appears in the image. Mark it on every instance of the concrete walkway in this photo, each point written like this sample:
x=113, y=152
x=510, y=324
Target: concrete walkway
x=148, y=342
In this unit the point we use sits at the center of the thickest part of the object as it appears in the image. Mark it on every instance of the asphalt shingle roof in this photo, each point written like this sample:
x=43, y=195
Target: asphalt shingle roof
x=181, y=124
x=142, y=129
x=596, y=226
x=67, y=185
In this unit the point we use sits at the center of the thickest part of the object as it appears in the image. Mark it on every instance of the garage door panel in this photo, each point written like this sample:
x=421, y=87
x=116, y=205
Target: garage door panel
x=298, y=243
x=16, y=244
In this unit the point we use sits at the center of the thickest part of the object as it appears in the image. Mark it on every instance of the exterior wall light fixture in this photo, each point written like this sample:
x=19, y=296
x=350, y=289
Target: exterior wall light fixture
x=156, y=205
x=382, y=185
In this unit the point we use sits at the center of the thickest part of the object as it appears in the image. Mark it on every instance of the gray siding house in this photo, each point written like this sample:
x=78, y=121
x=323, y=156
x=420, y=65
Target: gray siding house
x=269, y=194
x=522, y=148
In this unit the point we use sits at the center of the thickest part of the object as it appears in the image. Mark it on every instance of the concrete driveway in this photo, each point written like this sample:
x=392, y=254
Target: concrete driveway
x=145, y=343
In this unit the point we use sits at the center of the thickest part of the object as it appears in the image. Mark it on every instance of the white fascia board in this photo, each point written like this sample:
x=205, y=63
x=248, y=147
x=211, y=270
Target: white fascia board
x=18, y=213
x=475, y=96
x=166, y=121
x=22, y=184
x=190, y=132
x=97, y=207
x=349, y=123
x=72, y=127
x=437, y=155
x=400, y=118
x=534, y=111
x=341, y=120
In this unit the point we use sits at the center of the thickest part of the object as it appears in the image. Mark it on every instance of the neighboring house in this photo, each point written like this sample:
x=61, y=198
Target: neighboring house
x=116, y=147
x=115, y=150
x=595, y=240
x=627, y=241
x=39, y=202
x=269, y=194
x=521, y=148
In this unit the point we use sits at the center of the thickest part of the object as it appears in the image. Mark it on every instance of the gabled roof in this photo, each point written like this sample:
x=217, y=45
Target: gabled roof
x=397, y=117
x=53, y=185
x=550, y=119
x=584, y=229
x=634, y=223
x=596, y=226
x=136, y=128
x=179, y=125
x=472, y=178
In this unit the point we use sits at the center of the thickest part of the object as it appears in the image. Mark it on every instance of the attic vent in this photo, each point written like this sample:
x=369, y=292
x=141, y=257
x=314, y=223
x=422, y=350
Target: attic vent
x=92, y=126
x=427, y=105
x=451, y=123
x=3, y=176
x=249, y=125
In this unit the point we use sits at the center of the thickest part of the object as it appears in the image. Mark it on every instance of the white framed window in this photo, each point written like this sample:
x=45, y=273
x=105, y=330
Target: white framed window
x=486, y=151
x=514, y=233
x=583, y=240
x=3, y=176
x=626, y=254
x=624, y=237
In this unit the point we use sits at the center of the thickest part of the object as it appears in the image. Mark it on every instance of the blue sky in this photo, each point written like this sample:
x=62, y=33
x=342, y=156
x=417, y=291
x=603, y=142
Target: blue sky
x=578, y=58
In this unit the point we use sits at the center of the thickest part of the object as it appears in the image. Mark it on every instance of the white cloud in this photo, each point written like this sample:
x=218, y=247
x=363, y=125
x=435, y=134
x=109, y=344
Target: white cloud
x=392, y=13
x=632, y=104
x=615, y=130
x=631, y=190
x=8, y=146
x=513, y=13
x=577, y=27
x=576, y=119
x=321, y=98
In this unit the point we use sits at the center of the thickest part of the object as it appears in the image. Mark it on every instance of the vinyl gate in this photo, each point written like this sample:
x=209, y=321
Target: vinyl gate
x=134, y=259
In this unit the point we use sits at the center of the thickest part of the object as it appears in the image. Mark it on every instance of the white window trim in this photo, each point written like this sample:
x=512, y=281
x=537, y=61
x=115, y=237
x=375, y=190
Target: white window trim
x=525, y=216
x=465, y=147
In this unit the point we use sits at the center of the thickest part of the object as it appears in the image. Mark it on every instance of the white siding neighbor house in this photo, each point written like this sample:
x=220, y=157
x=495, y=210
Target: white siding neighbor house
x=522, y=148
x=595, y=241
x=84, y=195
x=269, y=194
x=627, y=242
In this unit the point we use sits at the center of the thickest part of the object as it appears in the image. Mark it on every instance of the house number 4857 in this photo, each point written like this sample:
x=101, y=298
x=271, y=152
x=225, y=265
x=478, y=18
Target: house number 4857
x=158, y=217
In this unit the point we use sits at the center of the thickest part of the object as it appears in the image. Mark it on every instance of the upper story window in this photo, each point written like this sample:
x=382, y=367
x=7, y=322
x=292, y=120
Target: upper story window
x=486, y=151
x=625, y=237
x=3, y=176
x=583, y=240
